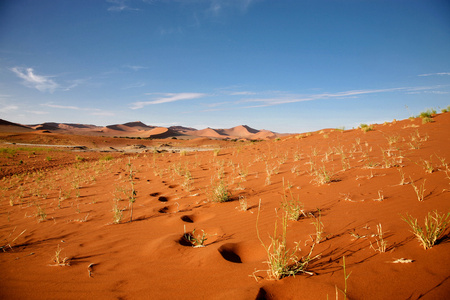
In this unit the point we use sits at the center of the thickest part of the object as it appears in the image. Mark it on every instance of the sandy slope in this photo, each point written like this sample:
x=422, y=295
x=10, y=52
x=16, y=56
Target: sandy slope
x=147, y=258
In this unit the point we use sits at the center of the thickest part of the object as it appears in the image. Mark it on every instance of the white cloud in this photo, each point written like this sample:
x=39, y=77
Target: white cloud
x=434, y=74
x=167, y=97
x=39, y=82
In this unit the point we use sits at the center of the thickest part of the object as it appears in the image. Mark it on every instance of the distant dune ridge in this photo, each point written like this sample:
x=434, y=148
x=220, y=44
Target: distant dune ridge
x=139, y=129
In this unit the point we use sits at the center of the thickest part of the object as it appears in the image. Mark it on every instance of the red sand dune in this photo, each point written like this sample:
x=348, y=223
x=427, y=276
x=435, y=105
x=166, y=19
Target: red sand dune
x=148, y=259
x=139, y=129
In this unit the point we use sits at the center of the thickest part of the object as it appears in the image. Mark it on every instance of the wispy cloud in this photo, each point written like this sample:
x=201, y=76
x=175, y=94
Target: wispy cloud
x=134, y=85
x=119, y=5
x=8, y=108
x=39, y=82
x=435, y=74
x=61, y=106
x=38, y=112
x=103, y=113
x=166, y=98
x=135, y=68
x=244, y=93
x=285, y=99
x=216, y=6
x=91, y=111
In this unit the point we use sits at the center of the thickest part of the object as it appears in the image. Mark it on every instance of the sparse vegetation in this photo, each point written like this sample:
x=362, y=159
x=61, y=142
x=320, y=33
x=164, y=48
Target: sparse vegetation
x=435, y=227
x=281, y=260
x=381, y=243
x=58, y=260
x=365, y=127
x=419, y=190
x=317, y=222
x=197, y=241
x=220, y=192
x=133, y=193
x=291, y=206
x=243, y=205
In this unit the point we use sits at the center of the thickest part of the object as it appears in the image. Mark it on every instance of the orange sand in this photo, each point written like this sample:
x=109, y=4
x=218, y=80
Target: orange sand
x=147, y=258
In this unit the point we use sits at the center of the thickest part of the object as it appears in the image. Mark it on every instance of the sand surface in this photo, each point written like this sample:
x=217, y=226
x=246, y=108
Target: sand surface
x=58, y=198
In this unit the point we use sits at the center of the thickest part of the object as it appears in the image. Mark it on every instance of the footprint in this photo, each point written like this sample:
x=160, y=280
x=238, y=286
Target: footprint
x=242, y=252
x=154, y=194
x=163, y=199
x=188, y=219
x=230, y=252
x=169, y=209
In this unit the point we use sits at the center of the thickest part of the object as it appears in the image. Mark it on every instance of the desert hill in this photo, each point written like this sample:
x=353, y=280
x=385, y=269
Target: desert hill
x=6, y=126
x=141, y=130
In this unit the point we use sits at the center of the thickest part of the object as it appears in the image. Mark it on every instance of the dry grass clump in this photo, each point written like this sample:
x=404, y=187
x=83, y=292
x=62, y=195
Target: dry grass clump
x=197, y=241
x=58, y=260
x=220, y=193
x=427, y=116
x=292, y=207
x=435, y=226
x=365, y=127
x=317, y=222
x=380, y=242
x=420, y=190
x=322, y=175
x=281, y=260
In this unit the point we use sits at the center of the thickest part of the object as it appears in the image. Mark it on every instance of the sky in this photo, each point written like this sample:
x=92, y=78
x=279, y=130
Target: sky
x=289, y=66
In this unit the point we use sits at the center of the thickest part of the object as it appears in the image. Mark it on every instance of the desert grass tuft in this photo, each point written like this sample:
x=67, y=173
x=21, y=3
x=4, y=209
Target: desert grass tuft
x=317, y=222
x=58, y=260
x=281, y=260
x=117, y=212
x=420, y=190
x=380, y=242
x=197, y=241
x=220, y=192
x=435, y=227
x=292, y=207
x=243, y=205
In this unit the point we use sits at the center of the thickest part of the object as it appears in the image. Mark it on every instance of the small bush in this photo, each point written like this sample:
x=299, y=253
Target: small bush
x=427, y=120
x=365, y=127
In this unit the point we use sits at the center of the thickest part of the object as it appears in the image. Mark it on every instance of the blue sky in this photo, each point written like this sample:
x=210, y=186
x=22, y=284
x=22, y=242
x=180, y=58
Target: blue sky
x=286, y=66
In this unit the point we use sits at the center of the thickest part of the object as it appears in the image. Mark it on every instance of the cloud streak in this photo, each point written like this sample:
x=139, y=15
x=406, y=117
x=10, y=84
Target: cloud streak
x=92, y=111
x=435, y=74
x=167, y=98
x=39, y=82
x=8, y=108
x=286, y=99
x=119, y=5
